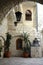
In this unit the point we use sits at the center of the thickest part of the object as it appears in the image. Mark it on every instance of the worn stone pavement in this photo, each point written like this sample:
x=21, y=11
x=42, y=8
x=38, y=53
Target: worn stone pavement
x=21, y=61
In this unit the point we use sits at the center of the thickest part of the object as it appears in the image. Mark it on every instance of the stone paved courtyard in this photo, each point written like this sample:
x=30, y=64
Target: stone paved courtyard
x=21, y=61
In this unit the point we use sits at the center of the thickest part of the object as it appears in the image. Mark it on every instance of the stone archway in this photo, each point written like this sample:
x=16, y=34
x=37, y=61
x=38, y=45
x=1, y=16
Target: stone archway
x=2, y=40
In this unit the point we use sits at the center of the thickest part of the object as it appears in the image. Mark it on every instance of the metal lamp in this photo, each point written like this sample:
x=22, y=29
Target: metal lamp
x=18, y=15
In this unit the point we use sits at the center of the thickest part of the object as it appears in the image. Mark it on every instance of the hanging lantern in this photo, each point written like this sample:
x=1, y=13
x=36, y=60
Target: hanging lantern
x=18, y=15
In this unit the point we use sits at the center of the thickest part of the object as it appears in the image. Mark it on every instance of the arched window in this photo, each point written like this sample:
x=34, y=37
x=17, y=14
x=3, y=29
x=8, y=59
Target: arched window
x=28, y=15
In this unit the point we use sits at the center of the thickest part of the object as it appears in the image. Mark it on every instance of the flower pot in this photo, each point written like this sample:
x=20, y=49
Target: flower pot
x=25, y=54
x=7, y=54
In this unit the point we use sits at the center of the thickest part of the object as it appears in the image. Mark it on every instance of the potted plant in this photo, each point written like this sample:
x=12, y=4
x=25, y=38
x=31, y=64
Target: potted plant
x=7, y=45
x=27, y=45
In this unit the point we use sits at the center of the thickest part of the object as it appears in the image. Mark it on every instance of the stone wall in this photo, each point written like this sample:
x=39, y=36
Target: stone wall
x=22, y=26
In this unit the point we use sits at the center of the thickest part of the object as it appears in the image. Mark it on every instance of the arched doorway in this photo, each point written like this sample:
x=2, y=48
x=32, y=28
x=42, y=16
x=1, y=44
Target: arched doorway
x=19, y=43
